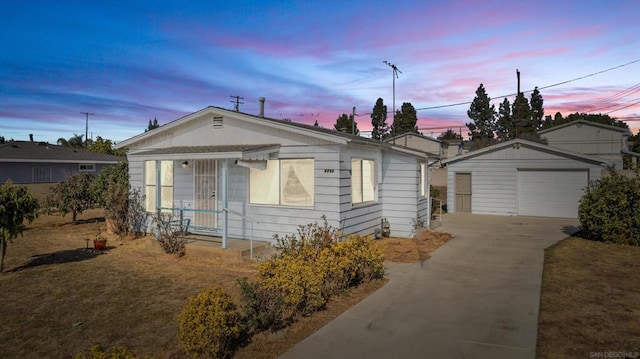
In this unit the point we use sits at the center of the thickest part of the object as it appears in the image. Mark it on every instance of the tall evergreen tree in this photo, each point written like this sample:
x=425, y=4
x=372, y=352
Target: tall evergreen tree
x=537, y=109
x=380, y=130
x=346, y=124
x=483, y=115
x=522, y=115
x=152, y=125
x=405, y=120
x=505, y=129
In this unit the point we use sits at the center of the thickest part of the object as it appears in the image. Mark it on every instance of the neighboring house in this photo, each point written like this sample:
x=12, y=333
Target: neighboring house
x=429, y=145
x=591, y=138
x=452, y=148
x=243, y=176
x=520, y=177
x=38, y=165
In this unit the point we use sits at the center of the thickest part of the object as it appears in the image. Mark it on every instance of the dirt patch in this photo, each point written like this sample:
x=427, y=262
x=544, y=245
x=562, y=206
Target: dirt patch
x=61, y=296
x=590, y=300
x=409, y=250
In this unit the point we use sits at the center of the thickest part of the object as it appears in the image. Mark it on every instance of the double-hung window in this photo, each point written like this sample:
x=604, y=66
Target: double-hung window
x=363, y=181
x=166, y=185
x=284, y=183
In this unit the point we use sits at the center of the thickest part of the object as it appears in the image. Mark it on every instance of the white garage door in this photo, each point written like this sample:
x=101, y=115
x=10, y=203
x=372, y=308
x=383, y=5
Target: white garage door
x=550, y=193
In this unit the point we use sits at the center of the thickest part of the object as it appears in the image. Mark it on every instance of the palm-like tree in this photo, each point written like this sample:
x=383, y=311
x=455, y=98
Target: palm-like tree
x=76, y=141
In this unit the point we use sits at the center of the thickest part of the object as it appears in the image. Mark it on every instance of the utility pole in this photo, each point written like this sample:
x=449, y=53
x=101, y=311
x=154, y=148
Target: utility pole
x=516, y=113
x=86, y=125
x=394, y=76
x=237, y=102
x=353, y=121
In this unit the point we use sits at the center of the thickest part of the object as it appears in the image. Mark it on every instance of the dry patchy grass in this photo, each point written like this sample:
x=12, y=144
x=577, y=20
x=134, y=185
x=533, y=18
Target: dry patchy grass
x=409, y=250
x=590, y=300
x=60, y=297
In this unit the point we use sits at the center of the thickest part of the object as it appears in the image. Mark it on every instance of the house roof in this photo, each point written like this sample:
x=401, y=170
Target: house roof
x=529, y=144
x=27, y=151
x=587, y=123
x=313, y=131
x=418, y=135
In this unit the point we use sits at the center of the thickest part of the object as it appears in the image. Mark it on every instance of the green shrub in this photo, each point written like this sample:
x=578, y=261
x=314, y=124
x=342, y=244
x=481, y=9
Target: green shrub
x=209, y=325
x=98, y=352
x=297, y=281
x=262, y=309
x=610, y=209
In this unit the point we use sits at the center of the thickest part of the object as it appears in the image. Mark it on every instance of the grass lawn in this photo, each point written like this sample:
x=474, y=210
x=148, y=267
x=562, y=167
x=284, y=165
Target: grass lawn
x=60, y=298
x=590, y=303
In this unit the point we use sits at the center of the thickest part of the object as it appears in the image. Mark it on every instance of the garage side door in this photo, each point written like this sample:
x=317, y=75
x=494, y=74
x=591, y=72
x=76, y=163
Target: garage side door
x=463, y=192
x=550, y=193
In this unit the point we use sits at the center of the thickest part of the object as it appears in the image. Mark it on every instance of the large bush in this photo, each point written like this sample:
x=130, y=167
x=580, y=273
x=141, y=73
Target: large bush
x=209, y=324
x=610, y=209
x=310, y=267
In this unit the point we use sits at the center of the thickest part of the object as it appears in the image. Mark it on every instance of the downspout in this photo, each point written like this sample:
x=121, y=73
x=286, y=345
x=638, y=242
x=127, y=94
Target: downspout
x=427, y=171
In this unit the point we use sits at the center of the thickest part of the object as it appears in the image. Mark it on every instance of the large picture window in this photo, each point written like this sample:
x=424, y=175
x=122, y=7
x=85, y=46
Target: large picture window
x=363, y=181
x=283, y=182
x=166, y=185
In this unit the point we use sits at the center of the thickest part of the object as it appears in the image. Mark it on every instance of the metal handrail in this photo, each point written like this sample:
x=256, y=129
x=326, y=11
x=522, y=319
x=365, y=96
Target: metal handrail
x=250, y=220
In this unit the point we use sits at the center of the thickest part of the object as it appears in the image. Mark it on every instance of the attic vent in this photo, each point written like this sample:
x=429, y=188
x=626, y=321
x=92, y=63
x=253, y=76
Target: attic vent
x=217, y=122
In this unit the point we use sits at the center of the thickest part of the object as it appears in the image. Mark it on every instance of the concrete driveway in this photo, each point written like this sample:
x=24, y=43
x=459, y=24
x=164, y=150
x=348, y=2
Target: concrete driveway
x=477, y=297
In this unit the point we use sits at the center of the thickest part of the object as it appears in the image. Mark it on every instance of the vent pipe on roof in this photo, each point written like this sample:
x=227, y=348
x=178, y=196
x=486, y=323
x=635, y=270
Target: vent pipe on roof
x=31, y=137
x=261, y=99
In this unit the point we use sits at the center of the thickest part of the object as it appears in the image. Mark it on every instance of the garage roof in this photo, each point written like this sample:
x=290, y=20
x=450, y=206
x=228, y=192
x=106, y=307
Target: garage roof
x=533, y=145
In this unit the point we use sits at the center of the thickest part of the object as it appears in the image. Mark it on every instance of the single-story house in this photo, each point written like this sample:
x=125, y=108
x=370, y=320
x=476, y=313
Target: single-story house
x=520, y=177
x=429, y=145
x=591, y=138
x=38, y=165
x=238, y=175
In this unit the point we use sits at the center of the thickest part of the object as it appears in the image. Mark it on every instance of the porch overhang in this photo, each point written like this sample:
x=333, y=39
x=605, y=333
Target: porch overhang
x=233, y=152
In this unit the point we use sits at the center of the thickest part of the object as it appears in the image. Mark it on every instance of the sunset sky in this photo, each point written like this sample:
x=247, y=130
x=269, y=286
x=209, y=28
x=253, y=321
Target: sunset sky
x=128, y=62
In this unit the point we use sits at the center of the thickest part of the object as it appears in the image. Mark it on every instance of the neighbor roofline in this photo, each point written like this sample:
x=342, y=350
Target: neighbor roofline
x=585, y=122
x=525, y=143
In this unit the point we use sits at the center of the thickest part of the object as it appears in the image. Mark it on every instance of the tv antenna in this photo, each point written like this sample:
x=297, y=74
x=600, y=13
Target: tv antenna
x=395, y=76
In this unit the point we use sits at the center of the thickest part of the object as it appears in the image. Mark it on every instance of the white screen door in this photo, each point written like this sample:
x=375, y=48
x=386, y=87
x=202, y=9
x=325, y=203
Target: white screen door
x=205, y=194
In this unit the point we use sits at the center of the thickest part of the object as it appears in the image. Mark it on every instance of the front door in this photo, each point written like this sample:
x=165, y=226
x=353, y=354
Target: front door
x=205, y=172
x=463, y=192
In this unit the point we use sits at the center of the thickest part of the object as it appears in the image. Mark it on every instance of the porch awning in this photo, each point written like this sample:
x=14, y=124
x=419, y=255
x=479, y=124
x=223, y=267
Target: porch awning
x=238, y=152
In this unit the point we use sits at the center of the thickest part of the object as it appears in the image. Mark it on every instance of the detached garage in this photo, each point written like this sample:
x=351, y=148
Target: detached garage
x=520, y=177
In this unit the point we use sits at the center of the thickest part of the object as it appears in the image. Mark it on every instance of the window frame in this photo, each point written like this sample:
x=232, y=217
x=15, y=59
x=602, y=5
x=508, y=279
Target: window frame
x=360, y=172
x=90, y=167
x=279, y=184
x=163, y=185
x=424, y=193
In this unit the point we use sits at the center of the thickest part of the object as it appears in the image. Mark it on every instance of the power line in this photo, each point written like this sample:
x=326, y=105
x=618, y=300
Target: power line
x=237, y=102
x=540, y=88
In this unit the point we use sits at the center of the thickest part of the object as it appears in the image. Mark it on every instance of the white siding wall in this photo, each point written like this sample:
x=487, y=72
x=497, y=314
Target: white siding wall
x=590, y=140
x=363, y=218
x=494, y=177
x=401, y=191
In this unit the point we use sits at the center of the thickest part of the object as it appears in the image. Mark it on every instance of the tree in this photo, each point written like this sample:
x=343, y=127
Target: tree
x=505, y=129
x=483, y=115
x=346, y=124
x=380, y=130
x=75, y=142
x=105, y=146
x=537, y=109
x=74, y=195
x=16, y=206
x=522, y=115
x=450, y=135
x=405, y=120
x=152, y=125
x=316, y=124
